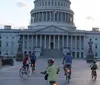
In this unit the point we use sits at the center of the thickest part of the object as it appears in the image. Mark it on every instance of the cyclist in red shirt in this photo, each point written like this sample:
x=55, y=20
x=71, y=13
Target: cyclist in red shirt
x=25, y=61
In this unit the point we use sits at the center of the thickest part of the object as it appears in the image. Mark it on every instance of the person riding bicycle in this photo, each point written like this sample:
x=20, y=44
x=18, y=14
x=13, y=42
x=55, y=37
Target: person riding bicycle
x=26, y=61
x=67, y=61
x=51, y=72
x=33, y=59
x=93, y=67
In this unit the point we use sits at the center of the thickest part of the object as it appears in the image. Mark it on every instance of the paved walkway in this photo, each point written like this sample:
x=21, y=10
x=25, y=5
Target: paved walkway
x=80, y=74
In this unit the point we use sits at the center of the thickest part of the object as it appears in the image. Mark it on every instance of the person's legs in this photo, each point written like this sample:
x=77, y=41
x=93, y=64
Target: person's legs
x=24, y=64
x=52, y=82
x=65, y=65
x=27, y=66
x=92, y=73
x=33, y=62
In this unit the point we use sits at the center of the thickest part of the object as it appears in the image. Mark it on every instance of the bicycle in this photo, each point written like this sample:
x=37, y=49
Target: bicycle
x=25, y=70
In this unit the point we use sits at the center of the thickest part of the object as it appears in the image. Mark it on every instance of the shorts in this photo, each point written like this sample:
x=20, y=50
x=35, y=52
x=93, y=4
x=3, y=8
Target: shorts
x=67, y=65
x=52, y=82
x=33, y=61
x=25, y=65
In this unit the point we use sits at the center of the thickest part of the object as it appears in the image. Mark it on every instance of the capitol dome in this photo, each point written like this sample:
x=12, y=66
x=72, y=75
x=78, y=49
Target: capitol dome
x=52, y=12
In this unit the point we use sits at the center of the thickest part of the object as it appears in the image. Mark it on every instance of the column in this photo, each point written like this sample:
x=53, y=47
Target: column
x=65, y=17
x=71, y=42
x=62, y=16
x=75, y=46
x=72, y=18
x=62, y=41
x=68, y=18
x=67, y=41
x=54, y=41
x=40, y=41
x=80, y=42
x=45, y=42
x=23, y=42
x=75, y=43
x=32, y=41
x=36, y=41
x=53, y=16
x=27, y=42
x=50, y=16
x=58, y=41
x=84, y=52
x=58, y=17
x=83, y=42
x=79, y=46
x=46, y=16
x=36, y=17
x=41, y=16
x=49, y=40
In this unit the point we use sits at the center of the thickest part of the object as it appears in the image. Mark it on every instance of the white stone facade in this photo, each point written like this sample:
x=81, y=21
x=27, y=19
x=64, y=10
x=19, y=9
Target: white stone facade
x=51, y=27
x=9, y=42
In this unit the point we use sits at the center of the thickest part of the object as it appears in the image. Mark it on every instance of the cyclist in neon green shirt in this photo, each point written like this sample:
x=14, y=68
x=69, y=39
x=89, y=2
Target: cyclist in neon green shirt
x=52, y=72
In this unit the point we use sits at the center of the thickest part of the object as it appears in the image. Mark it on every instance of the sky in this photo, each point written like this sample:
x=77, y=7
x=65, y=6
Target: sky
x=17, y=13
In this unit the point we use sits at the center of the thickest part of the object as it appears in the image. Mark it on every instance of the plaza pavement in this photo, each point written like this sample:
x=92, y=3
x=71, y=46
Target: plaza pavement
x=81, y=74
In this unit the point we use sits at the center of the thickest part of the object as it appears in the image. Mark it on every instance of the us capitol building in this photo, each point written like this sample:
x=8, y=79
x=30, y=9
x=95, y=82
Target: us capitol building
x=51, y=32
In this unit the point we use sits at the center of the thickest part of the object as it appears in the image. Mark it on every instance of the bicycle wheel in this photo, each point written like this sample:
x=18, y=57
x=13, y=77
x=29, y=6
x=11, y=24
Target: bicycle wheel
x=29, y=73
x=21, y=72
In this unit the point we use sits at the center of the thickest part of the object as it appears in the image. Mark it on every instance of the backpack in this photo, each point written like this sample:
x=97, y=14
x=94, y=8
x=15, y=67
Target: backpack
x=94, y=67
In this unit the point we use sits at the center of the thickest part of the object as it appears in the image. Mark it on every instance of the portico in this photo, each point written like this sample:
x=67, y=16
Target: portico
x=73, y=43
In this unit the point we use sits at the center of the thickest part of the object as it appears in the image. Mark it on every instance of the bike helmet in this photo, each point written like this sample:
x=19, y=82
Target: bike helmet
x=94, y=61
x=51, y=60
x=68, y=53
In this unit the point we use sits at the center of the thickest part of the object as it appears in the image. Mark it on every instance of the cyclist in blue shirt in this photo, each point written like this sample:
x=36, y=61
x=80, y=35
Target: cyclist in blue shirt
x=33, y=59
x=67, y=61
